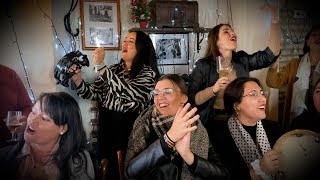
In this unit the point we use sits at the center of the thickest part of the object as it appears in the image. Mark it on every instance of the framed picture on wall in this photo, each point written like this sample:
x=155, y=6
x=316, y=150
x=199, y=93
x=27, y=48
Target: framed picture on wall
x=100, y=24
x=171, y=49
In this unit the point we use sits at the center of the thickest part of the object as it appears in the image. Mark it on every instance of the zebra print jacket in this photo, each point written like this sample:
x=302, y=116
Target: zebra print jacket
x=118, y=91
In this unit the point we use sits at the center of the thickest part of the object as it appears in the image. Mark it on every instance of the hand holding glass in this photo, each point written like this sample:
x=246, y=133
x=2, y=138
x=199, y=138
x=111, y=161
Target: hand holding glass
x=223, y=67
x=13, y=121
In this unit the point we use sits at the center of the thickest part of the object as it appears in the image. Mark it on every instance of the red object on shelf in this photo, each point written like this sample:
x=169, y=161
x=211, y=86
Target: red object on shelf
x=143, y=24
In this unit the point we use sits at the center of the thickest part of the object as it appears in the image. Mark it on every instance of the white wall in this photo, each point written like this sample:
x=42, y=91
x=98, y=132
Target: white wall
x=34, y=38
x=40, y=49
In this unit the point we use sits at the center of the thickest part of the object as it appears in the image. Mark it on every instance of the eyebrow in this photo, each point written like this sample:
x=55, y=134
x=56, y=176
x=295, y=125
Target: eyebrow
x=227, y=28
x=165, y=88
x=131, y=38
x=256, y=90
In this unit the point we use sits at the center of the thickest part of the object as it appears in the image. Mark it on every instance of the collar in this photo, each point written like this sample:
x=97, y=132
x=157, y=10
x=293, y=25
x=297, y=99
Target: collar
x=26, y=150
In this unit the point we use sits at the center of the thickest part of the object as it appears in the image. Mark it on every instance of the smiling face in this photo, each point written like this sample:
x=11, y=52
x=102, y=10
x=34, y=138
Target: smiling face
x=168, y=103
x=129, y=50
x=41, y=129
x=227, y=40
x=251, y=108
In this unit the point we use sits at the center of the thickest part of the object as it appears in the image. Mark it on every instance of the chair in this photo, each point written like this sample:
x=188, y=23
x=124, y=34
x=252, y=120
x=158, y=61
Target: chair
x=104, y=166
x=120, y=155
x=103, y=169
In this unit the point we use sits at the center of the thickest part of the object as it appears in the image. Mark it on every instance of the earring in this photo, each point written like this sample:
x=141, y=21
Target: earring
x=61, y=133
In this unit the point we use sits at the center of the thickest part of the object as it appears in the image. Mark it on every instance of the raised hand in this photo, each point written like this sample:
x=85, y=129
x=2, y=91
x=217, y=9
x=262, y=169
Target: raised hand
x=183, y=148
x=98, y=55
x=77, y=77
x=273, y=8
x=182, y=123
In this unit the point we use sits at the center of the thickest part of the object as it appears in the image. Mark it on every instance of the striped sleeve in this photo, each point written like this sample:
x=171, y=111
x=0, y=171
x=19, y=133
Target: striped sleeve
x=118, y=93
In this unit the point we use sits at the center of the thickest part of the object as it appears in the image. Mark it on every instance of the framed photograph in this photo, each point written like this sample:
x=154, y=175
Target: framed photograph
x=100, y=24
x=171, y=49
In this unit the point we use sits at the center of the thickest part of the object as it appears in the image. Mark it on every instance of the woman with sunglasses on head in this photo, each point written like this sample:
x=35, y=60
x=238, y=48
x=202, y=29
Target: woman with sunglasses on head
x=168, y=141
x=245, y=141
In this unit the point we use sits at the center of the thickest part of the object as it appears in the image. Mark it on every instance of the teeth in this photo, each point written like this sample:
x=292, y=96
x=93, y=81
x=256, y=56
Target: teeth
x=163, y=105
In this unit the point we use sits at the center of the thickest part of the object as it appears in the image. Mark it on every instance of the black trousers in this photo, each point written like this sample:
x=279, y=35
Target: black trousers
x=114, y=131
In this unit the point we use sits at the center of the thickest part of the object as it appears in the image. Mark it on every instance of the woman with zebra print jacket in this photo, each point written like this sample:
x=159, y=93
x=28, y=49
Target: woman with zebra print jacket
x=122, y=91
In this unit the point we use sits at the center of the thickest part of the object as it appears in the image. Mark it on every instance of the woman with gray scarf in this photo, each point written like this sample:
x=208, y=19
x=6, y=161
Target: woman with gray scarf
x=168, y=141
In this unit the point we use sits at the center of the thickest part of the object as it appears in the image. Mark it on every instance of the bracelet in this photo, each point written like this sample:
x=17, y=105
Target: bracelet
x=214, y=93
x=102, y=68
x=170, y=139
x=98, y=67
x=169, y=142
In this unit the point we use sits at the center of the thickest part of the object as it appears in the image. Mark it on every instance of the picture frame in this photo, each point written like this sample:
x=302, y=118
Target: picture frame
x=100, y=24
x=171, y=49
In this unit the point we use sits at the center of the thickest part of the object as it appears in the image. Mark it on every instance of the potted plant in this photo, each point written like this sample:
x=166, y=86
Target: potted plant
x=140, y=12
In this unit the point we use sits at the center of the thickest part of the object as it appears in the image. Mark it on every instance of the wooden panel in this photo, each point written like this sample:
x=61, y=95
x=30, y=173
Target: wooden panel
x=174, y=14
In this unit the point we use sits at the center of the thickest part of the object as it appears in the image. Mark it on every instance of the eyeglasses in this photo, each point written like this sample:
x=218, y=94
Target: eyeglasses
x=156, y=92
x=256, y=94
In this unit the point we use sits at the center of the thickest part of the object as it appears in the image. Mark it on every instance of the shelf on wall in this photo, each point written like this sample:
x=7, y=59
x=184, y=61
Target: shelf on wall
x=175, y=31
x=171, y=30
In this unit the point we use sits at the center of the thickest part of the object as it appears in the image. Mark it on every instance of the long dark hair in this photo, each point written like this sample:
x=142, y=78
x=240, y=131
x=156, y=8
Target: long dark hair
x=64, y=109
x=234, y=92
x=146, y=55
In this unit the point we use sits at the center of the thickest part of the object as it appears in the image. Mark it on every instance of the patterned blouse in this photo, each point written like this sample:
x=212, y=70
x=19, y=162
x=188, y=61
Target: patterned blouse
x=118, y=91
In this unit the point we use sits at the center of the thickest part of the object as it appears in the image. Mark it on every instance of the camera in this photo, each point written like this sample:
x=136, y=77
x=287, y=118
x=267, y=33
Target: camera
x=61, y=71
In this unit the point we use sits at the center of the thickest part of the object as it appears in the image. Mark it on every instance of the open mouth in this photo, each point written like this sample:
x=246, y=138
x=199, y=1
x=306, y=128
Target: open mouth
x=262, y=107
x=233, y=38
x=30, y=130
x=163, y=105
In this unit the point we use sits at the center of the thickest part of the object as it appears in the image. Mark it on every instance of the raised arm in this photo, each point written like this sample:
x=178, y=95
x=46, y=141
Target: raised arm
x=274, y=38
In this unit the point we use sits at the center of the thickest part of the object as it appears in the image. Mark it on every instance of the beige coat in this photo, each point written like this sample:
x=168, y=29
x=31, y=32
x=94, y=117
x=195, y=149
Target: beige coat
x=287, y=77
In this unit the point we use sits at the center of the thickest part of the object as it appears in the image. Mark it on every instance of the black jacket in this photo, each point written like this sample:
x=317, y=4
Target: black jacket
x=154, y=164
x=225, y=146
x=205, y=74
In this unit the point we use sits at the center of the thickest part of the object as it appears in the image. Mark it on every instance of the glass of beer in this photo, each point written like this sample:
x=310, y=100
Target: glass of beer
x=223, y=67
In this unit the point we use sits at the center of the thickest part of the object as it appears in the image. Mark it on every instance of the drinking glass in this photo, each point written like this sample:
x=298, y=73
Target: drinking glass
x=223, y=67
x=13, y=121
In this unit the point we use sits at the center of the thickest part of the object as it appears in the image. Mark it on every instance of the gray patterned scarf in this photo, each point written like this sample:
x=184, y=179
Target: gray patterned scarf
x=152, y=119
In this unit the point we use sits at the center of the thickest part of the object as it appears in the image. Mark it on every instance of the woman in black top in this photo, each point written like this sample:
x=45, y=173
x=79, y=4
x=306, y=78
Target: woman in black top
x=245, y=141
x=206, y=87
